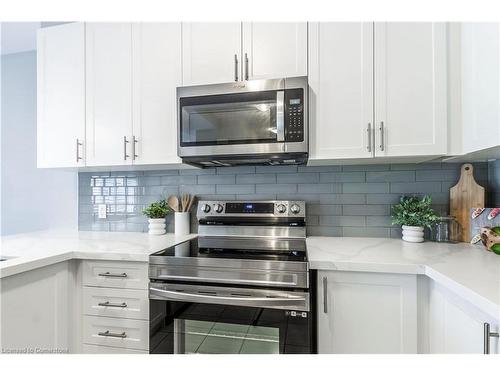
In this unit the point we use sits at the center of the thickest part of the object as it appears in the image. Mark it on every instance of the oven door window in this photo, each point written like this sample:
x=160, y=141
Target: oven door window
x=190, y=328
x=229, y=119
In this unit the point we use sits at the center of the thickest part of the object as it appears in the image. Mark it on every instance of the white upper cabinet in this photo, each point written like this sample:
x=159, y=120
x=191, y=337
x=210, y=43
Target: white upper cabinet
x=274, y=50
x=211, y=52
x=480, y=67
x=341, y=90
x=61, y=96
x=366, y=313
x=109, y=94
x=156, y=74
x=410, y=89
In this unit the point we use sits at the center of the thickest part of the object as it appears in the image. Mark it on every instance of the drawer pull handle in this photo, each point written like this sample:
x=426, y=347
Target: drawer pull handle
x=109, y=274
x=111, y=334
x=109, y=304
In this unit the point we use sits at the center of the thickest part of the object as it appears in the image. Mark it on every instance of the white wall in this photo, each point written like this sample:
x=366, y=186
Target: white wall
x=31, y=199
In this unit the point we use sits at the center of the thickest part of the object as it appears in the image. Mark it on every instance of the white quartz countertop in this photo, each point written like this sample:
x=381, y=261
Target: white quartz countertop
x=469, y=271
x=28, y=251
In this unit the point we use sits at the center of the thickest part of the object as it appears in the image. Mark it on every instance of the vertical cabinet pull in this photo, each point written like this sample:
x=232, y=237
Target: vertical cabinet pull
x=382, y=142
x=78, y=144
x=125, y=155
x=369, y=131
x=236, y=67
x=487, y=334
x=325, y=295
x=134, y=147
x=246, y=66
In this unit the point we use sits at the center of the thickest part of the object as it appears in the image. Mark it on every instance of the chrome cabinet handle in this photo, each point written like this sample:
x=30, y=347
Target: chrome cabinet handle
x=369, y=131
x=236, y=67
x=382, y=143
x=111, y=334
x=325, y=295
x=487, y=334
x=78, y=144
x=134, y=146
x=109, y=274
x=246, y=66
x=109, y=304
x=125, y=155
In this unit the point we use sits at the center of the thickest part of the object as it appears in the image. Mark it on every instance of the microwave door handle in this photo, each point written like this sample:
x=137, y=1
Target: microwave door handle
x=280, y=116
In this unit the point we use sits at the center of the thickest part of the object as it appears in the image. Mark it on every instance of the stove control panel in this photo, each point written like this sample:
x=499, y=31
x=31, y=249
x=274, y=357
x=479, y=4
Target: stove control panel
x=252, y=208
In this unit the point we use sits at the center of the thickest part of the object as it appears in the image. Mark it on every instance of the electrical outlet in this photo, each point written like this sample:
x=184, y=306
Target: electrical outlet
x=102, y=211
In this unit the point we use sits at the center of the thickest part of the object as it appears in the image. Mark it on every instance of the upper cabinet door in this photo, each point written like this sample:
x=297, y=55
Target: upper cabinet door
x=61, y=96
x=410, y=89
x=211, y=52
x=274, y=50
x=156, y=74
x=341, y=90
x=480, y=85
x=109, y=93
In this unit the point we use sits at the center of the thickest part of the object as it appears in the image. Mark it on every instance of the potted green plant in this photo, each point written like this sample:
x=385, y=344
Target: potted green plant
x=413, y=214
x=156, y=213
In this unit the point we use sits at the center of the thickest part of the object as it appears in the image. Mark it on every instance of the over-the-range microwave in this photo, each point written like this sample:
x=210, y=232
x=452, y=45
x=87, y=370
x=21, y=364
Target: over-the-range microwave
x=244, y=123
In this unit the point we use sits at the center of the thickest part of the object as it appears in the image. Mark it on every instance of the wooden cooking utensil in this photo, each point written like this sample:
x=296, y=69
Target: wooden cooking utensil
x=466, y=194
x=190, y=204
x=185, y=202
x=173, y=203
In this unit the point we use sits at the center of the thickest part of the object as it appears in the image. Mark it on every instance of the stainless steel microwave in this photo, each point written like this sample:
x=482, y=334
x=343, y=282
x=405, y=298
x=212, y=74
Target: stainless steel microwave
x=244, y=123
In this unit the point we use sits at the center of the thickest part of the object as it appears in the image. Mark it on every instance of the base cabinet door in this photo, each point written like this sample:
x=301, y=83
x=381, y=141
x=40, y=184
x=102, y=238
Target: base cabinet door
x=365, y=313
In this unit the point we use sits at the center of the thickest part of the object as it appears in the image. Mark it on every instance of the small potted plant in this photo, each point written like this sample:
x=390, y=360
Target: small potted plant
x=156, y=212
x=413, y=214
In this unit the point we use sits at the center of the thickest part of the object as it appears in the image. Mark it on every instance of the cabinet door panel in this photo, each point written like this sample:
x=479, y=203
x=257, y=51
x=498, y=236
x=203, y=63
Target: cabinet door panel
x=341, y=89
x=156, y=74
x=480, y=85
x=275, y=49
x=61, y=95
x=410, y=88
x=367, y=313
x=109, y=93
x=208, y=52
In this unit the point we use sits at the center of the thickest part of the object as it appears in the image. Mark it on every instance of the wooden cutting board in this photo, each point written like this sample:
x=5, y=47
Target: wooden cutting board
x=466, y=194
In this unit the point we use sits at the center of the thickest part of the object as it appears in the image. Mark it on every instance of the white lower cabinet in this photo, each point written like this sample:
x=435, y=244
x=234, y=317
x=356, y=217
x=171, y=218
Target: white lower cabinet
x=363, y=313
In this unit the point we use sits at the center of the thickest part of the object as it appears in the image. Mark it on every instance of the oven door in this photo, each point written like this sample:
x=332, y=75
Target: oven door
x=234, y=123
x=187, y=318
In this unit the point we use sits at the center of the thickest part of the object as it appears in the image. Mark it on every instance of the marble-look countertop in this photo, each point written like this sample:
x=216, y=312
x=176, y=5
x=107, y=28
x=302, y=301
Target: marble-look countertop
x=28, y=251
x=470, y=271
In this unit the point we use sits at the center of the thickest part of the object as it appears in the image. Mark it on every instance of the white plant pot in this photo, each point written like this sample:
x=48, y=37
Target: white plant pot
x=157, y=226
x=413, y=234
x=182, y=223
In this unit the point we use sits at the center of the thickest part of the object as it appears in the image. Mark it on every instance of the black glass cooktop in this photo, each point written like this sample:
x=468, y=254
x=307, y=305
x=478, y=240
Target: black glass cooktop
x=239, y=248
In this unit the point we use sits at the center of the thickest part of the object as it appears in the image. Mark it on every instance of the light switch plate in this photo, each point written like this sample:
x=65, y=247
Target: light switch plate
x=102, y=211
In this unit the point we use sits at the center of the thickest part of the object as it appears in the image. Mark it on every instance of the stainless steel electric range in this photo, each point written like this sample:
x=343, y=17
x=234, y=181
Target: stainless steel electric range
x=242, y=286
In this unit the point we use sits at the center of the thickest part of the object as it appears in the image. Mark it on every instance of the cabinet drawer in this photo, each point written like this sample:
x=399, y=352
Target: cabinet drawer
x=116, y=303
x=99, y=349
x=115, y=332
x=131, y=275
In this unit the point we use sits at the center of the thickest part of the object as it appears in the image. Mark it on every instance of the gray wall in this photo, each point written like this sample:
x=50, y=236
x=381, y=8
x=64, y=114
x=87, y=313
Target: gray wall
x=341, y=201
x=31, y=199
x=494, y=183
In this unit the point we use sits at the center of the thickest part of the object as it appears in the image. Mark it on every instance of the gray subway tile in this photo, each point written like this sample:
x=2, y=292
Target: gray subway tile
x=235, y=189
x=312, y=220
x=342, y=198
x=390, y=176
x=365, y=232
x=256, y=197
x=276, y=188
x=368, y=188
x=365, y=210
x=342, y=221
x=257, y=178
x=236, y=170
x=368, y=167
x=378, y=221
x=324, y=231
x=342, y=177
x=309, y=198
x=178, y=180
x=438, y=175
x=162, y=173
x=198, y=189
x=416, y=187
x=323, y=168
x=276, y=169
x=297, y=178
x=319, y=188
x=196, y=171
x=149, y=180
x=323, y=209
x=216, y=180
x=382, y=198
x=415, y=167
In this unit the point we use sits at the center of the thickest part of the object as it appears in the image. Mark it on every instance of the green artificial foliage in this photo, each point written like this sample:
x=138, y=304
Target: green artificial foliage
x=157, y=210
x=415, y=212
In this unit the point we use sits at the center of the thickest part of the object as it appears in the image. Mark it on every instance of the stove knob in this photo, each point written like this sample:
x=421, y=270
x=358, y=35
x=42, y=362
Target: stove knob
x=281, y=208
x=218, y=208
x=295, y=208
x=206, y=208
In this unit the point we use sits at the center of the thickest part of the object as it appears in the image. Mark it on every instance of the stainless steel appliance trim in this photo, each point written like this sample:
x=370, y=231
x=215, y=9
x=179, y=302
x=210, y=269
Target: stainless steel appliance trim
x=111, y=334
x=125, y=155
x=277, y=299
x=251, y=231
x=325, y=295
x=239, y=87
x=382, y=143
x=109, y=274
x=302, y=205
x=227, y=281
x=236, y=149
x=109, y=304
x=487, y=334
x=369, y=143
x=280, y=116
x=236, y=67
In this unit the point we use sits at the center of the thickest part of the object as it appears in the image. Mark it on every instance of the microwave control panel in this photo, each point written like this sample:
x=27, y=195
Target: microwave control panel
x=294, y=115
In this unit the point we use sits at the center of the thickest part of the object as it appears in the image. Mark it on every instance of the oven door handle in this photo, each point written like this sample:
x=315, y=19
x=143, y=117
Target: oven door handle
x=247, y=301
x=227, y=281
